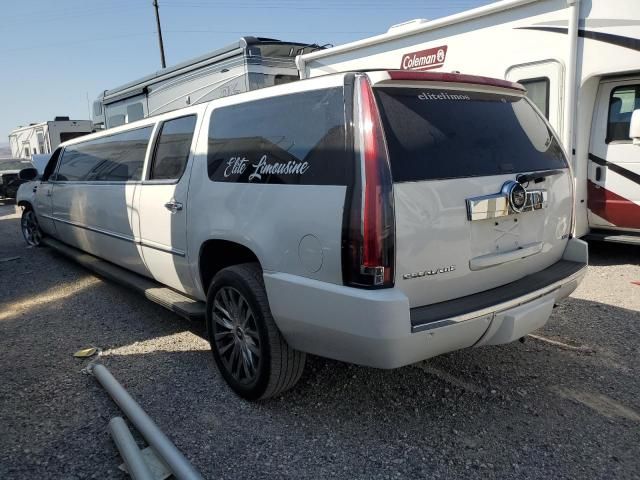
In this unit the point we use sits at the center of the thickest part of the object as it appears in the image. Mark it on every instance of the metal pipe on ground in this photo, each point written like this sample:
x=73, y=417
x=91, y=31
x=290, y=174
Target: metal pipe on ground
x=177, y=462
x=131, y=454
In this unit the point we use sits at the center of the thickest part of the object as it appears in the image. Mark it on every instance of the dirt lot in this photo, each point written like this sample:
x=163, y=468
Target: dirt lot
x=565, y=404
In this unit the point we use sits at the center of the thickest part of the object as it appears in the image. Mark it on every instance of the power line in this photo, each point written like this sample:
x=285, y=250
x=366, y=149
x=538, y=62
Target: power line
x=269, y=6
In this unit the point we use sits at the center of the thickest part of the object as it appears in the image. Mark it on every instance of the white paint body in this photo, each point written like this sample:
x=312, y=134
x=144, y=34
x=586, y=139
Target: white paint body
x=44, y=138
x=295, y=231
x=528, y=39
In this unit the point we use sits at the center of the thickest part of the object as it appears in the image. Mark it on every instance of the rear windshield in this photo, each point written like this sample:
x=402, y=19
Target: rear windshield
x=437, y=134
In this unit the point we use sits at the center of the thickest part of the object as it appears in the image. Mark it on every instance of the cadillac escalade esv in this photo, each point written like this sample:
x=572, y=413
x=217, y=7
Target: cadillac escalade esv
x=379, y=218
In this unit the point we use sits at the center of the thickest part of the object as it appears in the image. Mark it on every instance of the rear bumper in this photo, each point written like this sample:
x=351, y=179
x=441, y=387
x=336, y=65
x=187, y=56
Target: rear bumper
x=378, y=329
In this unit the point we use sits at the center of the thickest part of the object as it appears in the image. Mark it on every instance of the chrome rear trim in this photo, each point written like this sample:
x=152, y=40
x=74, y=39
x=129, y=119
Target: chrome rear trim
x=497, y=205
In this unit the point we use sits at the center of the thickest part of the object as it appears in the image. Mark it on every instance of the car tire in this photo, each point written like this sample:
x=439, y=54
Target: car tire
x=249, y=350
x=30, y=228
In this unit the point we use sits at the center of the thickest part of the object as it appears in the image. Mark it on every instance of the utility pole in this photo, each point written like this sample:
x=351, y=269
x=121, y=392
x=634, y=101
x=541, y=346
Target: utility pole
x=155, y=5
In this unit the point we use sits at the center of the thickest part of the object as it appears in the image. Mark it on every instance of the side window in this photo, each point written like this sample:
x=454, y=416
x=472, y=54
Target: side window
x=172, y=148
x=116, y=158
x=538, y=93
x=293, y=139
x=623, y=101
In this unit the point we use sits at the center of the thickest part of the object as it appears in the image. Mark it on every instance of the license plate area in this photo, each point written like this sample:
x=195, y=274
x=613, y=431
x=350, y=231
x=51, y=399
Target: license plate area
x=506, y=234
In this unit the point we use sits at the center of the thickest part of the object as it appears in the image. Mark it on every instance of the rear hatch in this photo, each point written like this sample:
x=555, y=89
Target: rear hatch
x=457, y=146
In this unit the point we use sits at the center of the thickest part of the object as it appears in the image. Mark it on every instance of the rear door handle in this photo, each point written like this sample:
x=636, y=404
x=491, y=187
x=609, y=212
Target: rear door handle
x=173, y=206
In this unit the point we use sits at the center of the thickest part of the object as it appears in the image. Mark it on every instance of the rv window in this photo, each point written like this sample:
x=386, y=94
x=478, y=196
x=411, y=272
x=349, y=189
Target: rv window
x=438, y=134
x=135, y=112
x=116, y=158
x=624, y=100
x=117, y=120
x=66, y=136
x=40, y=137
x=173, y=148
x=538, y=93
x=294, y=139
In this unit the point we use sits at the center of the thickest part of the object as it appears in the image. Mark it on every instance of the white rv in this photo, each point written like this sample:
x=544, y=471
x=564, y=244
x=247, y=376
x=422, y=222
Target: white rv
x=578, y=59
x=249, y=64
x=44, y=138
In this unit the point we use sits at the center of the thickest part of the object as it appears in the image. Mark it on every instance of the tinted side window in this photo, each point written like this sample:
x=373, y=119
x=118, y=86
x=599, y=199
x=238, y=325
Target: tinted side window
x=438, y=134
x=624, y=100
x=173, y=148
x=293, y=139
x=116, y=158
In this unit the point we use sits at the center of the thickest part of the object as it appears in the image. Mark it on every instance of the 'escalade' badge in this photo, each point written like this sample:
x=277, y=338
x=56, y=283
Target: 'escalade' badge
x=426, y=273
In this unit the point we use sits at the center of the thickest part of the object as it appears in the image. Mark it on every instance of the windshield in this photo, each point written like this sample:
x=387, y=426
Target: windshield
x=437, y=134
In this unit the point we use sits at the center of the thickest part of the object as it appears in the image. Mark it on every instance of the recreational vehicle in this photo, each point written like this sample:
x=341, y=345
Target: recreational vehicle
x=578, y=59
x=249, y=64
x=44, y=138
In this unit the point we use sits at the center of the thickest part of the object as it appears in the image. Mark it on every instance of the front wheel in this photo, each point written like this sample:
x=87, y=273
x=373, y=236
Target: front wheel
x=30, y=228
x=251, y=354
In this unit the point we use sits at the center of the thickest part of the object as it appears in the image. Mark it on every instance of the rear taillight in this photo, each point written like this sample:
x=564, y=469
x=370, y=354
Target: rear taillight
x=369, y=237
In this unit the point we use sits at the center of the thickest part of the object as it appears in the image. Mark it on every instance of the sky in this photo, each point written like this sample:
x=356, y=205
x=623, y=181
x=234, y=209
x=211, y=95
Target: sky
x=57, y=55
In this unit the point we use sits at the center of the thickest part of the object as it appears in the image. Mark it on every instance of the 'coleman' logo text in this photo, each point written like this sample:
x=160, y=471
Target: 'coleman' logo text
x=425, y=59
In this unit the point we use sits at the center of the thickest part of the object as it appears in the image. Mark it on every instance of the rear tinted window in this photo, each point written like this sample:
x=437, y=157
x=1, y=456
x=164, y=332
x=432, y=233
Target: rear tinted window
x=116, y=158
x=294, y=139
x=438, y=134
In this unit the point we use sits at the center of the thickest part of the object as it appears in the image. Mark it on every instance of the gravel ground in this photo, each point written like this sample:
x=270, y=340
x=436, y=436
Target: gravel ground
x=565, y=404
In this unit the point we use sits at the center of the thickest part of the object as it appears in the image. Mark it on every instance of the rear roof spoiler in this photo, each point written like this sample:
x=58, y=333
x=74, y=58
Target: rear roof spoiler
x=453, y=78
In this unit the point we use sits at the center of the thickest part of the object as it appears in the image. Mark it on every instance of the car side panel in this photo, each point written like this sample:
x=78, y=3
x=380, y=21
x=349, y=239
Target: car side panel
x=294, y=229
x=97, y=218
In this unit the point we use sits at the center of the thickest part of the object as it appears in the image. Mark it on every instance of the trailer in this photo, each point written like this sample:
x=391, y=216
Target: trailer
x=249, y=64
x=44, y=138
x=578, y=59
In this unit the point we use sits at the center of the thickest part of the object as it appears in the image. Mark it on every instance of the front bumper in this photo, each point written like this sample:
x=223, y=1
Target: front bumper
x=377, y=328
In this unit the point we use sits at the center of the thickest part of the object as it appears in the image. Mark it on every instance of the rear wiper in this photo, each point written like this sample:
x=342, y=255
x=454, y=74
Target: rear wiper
x=536, y=176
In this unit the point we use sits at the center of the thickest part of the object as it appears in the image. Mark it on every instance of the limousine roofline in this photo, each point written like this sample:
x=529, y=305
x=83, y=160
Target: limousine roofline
x=181, y=112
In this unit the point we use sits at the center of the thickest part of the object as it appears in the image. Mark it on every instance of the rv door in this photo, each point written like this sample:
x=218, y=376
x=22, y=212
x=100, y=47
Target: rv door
x=614, y=162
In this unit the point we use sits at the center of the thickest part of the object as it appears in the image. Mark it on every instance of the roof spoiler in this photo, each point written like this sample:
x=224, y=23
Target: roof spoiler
x=453, y=78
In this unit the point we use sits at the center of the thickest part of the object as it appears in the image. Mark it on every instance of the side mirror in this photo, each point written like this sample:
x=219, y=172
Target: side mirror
x=28, y=174
x=634, y=128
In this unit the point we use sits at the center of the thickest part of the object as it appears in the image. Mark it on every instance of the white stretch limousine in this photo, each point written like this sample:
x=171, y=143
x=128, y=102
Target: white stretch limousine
x=379, y=218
